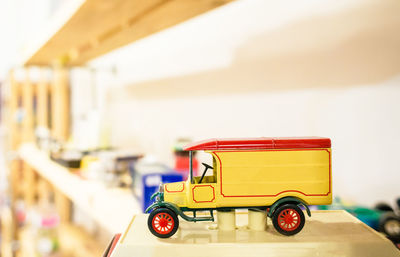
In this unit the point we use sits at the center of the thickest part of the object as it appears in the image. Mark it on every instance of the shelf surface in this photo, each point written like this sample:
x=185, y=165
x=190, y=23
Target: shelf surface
x=326, y=233
x=87, y=29
x=112, y=208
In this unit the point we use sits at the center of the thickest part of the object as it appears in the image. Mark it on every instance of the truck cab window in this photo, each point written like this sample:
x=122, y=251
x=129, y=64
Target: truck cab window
x=208, y=173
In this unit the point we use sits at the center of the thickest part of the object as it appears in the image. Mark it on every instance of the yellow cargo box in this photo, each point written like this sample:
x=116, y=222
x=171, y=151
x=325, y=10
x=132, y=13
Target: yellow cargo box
x=261, y=177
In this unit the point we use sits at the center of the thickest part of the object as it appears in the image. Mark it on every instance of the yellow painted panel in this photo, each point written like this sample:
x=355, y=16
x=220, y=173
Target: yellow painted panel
x=203, y=193
x=176, y=193
x=271, y=173
x=175, y=187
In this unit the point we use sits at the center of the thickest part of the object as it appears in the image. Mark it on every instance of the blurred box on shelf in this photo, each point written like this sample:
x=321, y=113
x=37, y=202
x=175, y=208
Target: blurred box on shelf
x=147, y=177
x=109, y=166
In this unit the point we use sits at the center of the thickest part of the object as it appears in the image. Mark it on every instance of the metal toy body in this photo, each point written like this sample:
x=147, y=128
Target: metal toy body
x=276, y=175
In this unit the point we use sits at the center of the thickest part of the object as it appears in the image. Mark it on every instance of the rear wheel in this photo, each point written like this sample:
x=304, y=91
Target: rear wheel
x=383, y=207
x=288, y=219
x=163, y=222
x=389, y=224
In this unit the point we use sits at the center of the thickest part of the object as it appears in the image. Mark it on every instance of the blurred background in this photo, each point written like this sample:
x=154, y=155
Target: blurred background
x=98, y=97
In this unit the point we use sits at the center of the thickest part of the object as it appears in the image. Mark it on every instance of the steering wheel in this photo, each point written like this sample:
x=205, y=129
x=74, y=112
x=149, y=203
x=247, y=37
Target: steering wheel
x=207, y=166
x=204, y=172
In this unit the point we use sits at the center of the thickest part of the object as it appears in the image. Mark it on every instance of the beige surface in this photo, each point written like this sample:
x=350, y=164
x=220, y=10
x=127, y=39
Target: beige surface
x=95, y=27
x=326, y=233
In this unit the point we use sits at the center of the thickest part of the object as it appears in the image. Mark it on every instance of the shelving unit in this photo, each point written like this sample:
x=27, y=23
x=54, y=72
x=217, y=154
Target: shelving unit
x=80, y=31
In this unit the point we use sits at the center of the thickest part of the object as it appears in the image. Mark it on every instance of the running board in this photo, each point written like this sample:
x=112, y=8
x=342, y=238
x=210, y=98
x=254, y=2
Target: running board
x=195, y=218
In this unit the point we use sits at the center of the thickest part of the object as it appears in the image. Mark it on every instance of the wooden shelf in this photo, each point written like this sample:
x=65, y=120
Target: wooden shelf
x=112, y=208
x=87, y=29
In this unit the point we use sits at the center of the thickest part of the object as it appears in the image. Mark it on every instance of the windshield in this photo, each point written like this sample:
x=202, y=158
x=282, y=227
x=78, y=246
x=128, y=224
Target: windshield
x=207, y=171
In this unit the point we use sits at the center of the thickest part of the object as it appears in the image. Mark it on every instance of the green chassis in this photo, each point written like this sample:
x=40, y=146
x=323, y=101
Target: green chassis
x=180, y=210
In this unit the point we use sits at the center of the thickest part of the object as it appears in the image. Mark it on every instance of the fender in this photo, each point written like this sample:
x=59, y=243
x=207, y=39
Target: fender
x=178, y=211
x=289, y=199
x=160, y=204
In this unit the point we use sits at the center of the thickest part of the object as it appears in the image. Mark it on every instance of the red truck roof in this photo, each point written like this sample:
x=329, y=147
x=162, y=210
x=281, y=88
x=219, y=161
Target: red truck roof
x=260, y=143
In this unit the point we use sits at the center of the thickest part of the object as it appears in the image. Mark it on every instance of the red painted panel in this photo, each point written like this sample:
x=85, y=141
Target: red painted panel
x=261, y=143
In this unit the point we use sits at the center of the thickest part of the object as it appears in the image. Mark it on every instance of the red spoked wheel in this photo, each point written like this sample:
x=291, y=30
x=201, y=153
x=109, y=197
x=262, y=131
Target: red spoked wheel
x=163, y=222
x=288, y=219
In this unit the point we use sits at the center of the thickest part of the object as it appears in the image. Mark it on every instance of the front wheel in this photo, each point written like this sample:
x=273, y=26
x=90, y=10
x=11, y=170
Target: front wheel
x=288, y=219
x=163, y=222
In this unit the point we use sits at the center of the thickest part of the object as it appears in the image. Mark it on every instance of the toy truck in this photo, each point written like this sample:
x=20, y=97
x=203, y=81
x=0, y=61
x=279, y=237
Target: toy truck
x=276, y=175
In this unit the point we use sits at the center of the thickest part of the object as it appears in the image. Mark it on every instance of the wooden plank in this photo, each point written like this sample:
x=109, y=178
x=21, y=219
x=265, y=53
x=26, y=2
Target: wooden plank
x=42, y=92
x=63, y=205
x=29, y=180
x=7, y=232
x=99, y=26
x=13, y=106
x=60, y=105
x=44, y=191
x=14, y=132
x=15, y=179
x=27, y=104
x=27, y=241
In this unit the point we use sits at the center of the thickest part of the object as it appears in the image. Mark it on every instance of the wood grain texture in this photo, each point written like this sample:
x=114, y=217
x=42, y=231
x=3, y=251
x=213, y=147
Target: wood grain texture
x=99, y=26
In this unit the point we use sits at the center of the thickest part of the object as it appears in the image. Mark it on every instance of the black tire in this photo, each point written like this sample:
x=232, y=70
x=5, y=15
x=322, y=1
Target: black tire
x=163, y=218
x=389, y=224
x=294, y=215
x=383, y=207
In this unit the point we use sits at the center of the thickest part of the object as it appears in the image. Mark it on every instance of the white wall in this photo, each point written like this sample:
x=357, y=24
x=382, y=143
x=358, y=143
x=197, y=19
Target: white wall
x=20, y=21
x=271, y=68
